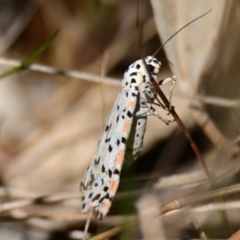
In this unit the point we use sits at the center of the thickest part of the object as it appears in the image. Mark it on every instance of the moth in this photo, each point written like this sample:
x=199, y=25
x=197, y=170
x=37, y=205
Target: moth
x=123, y=135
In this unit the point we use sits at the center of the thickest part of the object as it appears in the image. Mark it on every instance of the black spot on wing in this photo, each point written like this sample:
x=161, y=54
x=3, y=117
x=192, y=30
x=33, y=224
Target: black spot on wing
x=101, y=199
x=91, y=179
x=116, y=171
x=107, y=196
x=84, y=205
x=129, y=114
x=110, y=173
x=118, y=142
x=97, y=161
x=96, y=197
x=138, y=66
x=134, y=94
x=110, y=148
x=105, y=189
x=117, y=119
x=124, y=140
x=90, y=195
x=103, y=169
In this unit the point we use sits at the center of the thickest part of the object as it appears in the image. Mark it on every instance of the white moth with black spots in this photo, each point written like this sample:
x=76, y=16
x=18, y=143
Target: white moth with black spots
x=123, y=135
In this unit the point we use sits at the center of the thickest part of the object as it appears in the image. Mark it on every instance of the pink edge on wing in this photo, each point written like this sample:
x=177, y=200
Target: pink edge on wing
x=106, y=206
x=119, y=158
x=131, y=104
x=114, y=185
x=126, y=127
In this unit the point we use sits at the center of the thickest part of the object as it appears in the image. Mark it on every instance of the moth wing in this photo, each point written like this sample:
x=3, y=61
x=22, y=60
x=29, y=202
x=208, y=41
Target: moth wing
x=102, y=177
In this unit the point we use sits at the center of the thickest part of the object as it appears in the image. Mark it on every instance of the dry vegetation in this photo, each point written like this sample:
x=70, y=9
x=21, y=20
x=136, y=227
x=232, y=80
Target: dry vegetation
x=50, y=123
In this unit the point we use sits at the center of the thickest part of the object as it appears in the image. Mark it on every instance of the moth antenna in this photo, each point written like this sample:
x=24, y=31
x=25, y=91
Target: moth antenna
x=139, y=26
x=165, y=60
x=180, y=31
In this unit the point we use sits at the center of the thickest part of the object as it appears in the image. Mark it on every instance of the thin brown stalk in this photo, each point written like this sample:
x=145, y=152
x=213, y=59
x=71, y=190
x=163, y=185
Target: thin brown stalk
x=184, y=129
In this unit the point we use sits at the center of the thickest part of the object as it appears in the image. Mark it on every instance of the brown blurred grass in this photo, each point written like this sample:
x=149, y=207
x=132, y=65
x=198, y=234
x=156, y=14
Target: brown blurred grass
x=51, y=124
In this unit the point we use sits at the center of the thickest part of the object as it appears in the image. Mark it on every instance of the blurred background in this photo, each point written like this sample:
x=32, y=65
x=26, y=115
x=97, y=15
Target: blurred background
x=50, y=124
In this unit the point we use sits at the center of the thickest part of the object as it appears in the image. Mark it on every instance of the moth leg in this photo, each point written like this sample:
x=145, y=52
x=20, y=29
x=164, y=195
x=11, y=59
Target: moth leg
x=151, y=100
x=173, y=79
x=150, y=111
x=153, y=112
x=143, y=110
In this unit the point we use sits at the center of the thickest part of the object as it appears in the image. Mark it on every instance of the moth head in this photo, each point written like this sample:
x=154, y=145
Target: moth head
x=153, y=65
